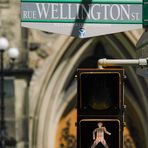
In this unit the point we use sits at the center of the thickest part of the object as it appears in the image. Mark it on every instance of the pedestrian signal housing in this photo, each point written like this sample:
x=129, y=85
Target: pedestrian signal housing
x=100, y=108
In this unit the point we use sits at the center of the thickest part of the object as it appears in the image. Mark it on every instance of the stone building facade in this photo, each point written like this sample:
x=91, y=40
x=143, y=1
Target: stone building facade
x=43, y=105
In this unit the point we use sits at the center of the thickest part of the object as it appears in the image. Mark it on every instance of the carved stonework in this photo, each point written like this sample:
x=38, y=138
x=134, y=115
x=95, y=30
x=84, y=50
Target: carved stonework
x=67, y=140
x=10, y=24
x=66, y=134
x=128, y=141
x=41, y=44
x=4, y=4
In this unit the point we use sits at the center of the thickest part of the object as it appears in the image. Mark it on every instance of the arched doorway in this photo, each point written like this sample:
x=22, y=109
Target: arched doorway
x=56, y=90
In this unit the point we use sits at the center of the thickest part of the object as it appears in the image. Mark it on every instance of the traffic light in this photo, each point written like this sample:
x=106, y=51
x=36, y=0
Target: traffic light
x=100, y=108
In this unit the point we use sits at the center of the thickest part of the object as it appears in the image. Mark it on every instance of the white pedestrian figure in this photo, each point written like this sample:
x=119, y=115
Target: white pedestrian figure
x=98, y=135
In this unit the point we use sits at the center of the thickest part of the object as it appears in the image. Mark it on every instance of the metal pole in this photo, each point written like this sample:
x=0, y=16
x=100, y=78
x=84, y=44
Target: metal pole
x=4, y=140
x=113, y=62
x=2, y=130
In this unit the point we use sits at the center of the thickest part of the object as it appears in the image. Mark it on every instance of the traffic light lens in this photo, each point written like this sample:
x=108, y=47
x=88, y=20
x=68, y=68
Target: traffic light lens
x=100, y=91
x=100, y=103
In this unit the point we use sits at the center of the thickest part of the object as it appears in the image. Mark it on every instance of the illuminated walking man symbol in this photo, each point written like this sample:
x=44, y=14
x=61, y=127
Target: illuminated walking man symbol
x=98, y=135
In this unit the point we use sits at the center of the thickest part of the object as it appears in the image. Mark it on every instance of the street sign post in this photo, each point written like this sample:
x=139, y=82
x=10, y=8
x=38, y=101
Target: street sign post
x=84, y=18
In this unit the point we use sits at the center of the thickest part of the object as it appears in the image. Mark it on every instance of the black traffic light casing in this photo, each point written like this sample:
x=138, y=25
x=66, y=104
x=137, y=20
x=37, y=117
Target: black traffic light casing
x=100, y=99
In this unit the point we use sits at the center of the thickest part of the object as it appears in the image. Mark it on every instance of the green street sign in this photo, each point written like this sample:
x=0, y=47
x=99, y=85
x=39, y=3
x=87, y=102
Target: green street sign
x=145, y=13
x=84, y=18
